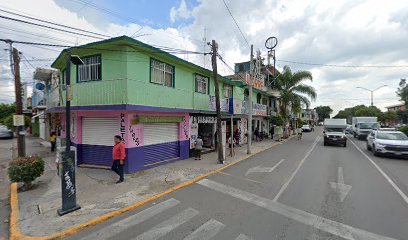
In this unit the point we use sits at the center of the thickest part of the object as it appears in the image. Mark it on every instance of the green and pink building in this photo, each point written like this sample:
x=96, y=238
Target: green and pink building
x=156, y=101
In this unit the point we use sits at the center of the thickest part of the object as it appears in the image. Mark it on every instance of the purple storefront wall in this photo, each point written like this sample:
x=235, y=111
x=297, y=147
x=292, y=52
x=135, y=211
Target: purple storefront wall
x=133, y=135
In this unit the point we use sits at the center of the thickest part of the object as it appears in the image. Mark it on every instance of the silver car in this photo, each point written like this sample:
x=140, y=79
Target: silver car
x=5, y=132
x=382, y=142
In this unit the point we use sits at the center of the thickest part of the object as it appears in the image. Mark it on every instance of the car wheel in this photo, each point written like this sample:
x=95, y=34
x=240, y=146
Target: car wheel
x=374, y=151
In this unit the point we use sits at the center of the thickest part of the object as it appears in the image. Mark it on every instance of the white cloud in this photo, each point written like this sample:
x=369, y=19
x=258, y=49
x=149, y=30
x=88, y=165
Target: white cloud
x=182, y=12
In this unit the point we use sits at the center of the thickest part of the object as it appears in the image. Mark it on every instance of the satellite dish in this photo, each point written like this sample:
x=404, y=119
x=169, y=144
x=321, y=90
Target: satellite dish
x=271, y=43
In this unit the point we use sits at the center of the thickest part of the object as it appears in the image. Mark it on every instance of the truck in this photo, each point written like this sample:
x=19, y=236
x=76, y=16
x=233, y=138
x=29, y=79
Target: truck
x=335, y=132
x=362, y=126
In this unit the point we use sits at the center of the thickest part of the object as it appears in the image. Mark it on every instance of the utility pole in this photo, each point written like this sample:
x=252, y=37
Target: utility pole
x=214, y=46
x=19, y=103
x=251, y=75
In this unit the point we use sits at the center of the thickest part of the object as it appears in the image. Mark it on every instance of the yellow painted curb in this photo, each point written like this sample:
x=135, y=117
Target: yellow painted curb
x=15, y=233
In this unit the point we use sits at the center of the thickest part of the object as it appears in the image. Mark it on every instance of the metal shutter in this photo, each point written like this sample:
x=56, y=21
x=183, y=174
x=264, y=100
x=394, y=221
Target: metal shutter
x=160, y=142
x=97, y=140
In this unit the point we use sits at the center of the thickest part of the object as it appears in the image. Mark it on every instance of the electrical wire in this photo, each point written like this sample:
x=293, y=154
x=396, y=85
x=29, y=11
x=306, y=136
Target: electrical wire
x=53, y=23
x=344, y=66
x=236, y=23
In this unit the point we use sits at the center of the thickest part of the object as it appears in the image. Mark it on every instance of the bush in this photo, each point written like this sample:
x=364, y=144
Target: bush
x=26, y=170
x=404, y=129
x=277, y=120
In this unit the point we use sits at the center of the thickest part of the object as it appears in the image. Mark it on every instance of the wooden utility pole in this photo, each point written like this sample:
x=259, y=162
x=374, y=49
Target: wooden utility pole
x=214, y=46
x=19, y=103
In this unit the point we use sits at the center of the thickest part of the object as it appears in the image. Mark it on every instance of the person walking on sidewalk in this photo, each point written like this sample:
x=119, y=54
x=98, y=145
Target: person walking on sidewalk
x=53, y=141
x=118, y=155
x=198, y=147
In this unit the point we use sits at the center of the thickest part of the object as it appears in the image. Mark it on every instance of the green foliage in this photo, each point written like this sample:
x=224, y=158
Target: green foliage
x=323, y=112
x=6, y=110
x=299, y=122
x=402, y=91
x=8, y=121
x=277, y=120
x=26, y=169
x=404, y=129
x=388, y=116
x=359, y=111
x=293, y=91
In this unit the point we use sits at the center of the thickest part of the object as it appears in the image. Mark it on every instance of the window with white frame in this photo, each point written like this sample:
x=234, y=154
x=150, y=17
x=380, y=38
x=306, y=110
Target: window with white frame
x=161, y=73
x=90, y=70
x=227, y=91
x=201, y=84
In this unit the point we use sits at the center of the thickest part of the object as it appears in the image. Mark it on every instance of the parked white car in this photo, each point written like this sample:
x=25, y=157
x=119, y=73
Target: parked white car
x=382, y=142
x=306, y=128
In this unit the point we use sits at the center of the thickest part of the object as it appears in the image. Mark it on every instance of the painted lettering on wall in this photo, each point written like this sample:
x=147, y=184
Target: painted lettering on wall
x=185, y=128
x=122, y=125
x=68, y=183
x=134, y=137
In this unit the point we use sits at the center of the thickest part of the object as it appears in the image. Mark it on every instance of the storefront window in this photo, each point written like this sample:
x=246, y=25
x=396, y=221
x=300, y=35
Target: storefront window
x=201, y=84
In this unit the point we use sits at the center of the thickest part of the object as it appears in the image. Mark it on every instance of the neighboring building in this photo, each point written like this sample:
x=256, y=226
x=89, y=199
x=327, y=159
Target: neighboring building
x=396, y=108
x=45, y=81
x=156, y=101
x=309, y=116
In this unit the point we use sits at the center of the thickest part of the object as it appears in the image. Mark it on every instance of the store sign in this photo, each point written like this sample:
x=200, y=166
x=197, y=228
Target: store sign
x=257, y=83
x=259, y=109
x=237, y=106
x=122, y=129
x=18, y=120
x=204, y=119
x=157, y=119
x=224, y=104
x=193, y=134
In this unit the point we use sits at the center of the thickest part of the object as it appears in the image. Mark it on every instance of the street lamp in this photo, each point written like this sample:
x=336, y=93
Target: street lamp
x=68, y=187
x=372, y=91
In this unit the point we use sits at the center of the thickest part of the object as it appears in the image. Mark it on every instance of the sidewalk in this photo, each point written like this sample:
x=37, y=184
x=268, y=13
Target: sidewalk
x=98, y=194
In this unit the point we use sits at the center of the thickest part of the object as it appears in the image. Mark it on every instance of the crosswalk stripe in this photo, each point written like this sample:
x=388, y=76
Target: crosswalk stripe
x=243, y=237
x=168, y=225
x=117, y=227
x=206, y=231
x=324, y=224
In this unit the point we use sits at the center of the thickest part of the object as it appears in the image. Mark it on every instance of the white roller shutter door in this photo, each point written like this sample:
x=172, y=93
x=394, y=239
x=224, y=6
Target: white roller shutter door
x=160, y=142
x=99, y=131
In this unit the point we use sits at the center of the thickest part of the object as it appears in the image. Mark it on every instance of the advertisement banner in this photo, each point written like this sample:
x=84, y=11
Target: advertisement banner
x=224, y=104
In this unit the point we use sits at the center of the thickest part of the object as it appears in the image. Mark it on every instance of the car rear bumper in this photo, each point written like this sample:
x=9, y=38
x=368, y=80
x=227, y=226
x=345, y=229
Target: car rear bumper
x=340, y=141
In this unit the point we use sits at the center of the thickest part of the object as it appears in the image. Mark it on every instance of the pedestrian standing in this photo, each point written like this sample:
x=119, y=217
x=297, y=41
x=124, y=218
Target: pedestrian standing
x=237, y=136
x=231, y=144
x=53, y=141
x=272, y=131
x=198, y=147
x=118, y=155
x=256, y=133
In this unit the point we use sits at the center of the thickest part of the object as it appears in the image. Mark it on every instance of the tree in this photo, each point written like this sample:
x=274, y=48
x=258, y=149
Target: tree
x=293, y=91
x=402, y=91
x=323, y=112
x=6, y=110
x=360, y=111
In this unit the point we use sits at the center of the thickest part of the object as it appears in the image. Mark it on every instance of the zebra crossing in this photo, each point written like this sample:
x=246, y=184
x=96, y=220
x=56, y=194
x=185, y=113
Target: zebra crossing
x=208, y=230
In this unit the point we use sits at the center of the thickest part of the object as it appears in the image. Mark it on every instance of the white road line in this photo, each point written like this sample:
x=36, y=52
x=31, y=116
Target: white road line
x=399, y=191
x=238, y=177
x=206, y=231
x=117, y=227
x=169, y=225
x=243, y=237
x=327, y=225
x=285, y=185
x=339, y=186
x=260, y=169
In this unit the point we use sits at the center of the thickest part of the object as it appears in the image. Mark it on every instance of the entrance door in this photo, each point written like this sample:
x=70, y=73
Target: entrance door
x=161, y=142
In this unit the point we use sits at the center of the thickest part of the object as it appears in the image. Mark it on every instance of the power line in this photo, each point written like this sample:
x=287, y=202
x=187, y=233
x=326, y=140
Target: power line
x=344, y=66
x=49, y=27
x=49, y=22
x=236, y=23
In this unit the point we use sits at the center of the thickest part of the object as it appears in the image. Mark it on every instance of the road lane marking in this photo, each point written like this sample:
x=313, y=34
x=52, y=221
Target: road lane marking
x=339, y=186
x=285, y=185
x=238, y=177
x=169, y=225
x=243, y=237
x=327, y=225
x=117, y=227
x=261, y=169
x=206, y=231
x=399, y=191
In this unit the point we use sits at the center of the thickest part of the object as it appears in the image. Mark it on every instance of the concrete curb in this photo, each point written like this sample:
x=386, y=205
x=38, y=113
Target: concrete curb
x=16, y=234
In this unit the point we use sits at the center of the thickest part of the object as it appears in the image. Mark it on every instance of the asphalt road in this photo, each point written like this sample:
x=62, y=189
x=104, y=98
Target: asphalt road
x=296, y=190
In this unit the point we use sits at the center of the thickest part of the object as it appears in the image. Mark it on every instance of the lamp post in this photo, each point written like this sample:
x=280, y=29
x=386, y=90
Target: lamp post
x=68, y=187
x=372, y=91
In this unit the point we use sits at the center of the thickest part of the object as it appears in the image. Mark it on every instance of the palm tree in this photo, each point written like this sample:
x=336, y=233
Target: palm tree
x=293, y=91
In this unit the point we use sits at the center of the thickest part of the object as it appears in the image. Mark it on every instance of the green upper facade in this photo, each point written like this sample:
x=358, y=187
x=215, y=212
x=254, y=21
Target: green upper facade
x=123, y=70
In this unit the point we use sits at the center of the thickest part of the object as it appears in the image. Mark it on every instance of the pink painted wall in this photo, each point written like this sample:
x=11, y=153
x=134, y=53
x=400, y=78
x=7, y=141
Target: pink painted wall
x=133, y=134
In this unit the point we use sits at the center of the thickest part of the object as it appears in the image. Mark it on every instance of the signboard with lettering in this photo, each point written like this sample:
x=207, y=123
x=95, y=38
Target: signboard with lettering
x=259, y=109
x=204, y=119
x=157, y=119
x=224, y=104
x=257, y=83
x=237, y=106
x=18, y=120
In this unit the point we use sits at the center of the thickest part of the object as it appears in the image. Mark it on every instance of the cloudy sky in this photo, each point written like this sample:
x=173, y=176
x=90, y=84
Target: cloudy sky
x=339, y=33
